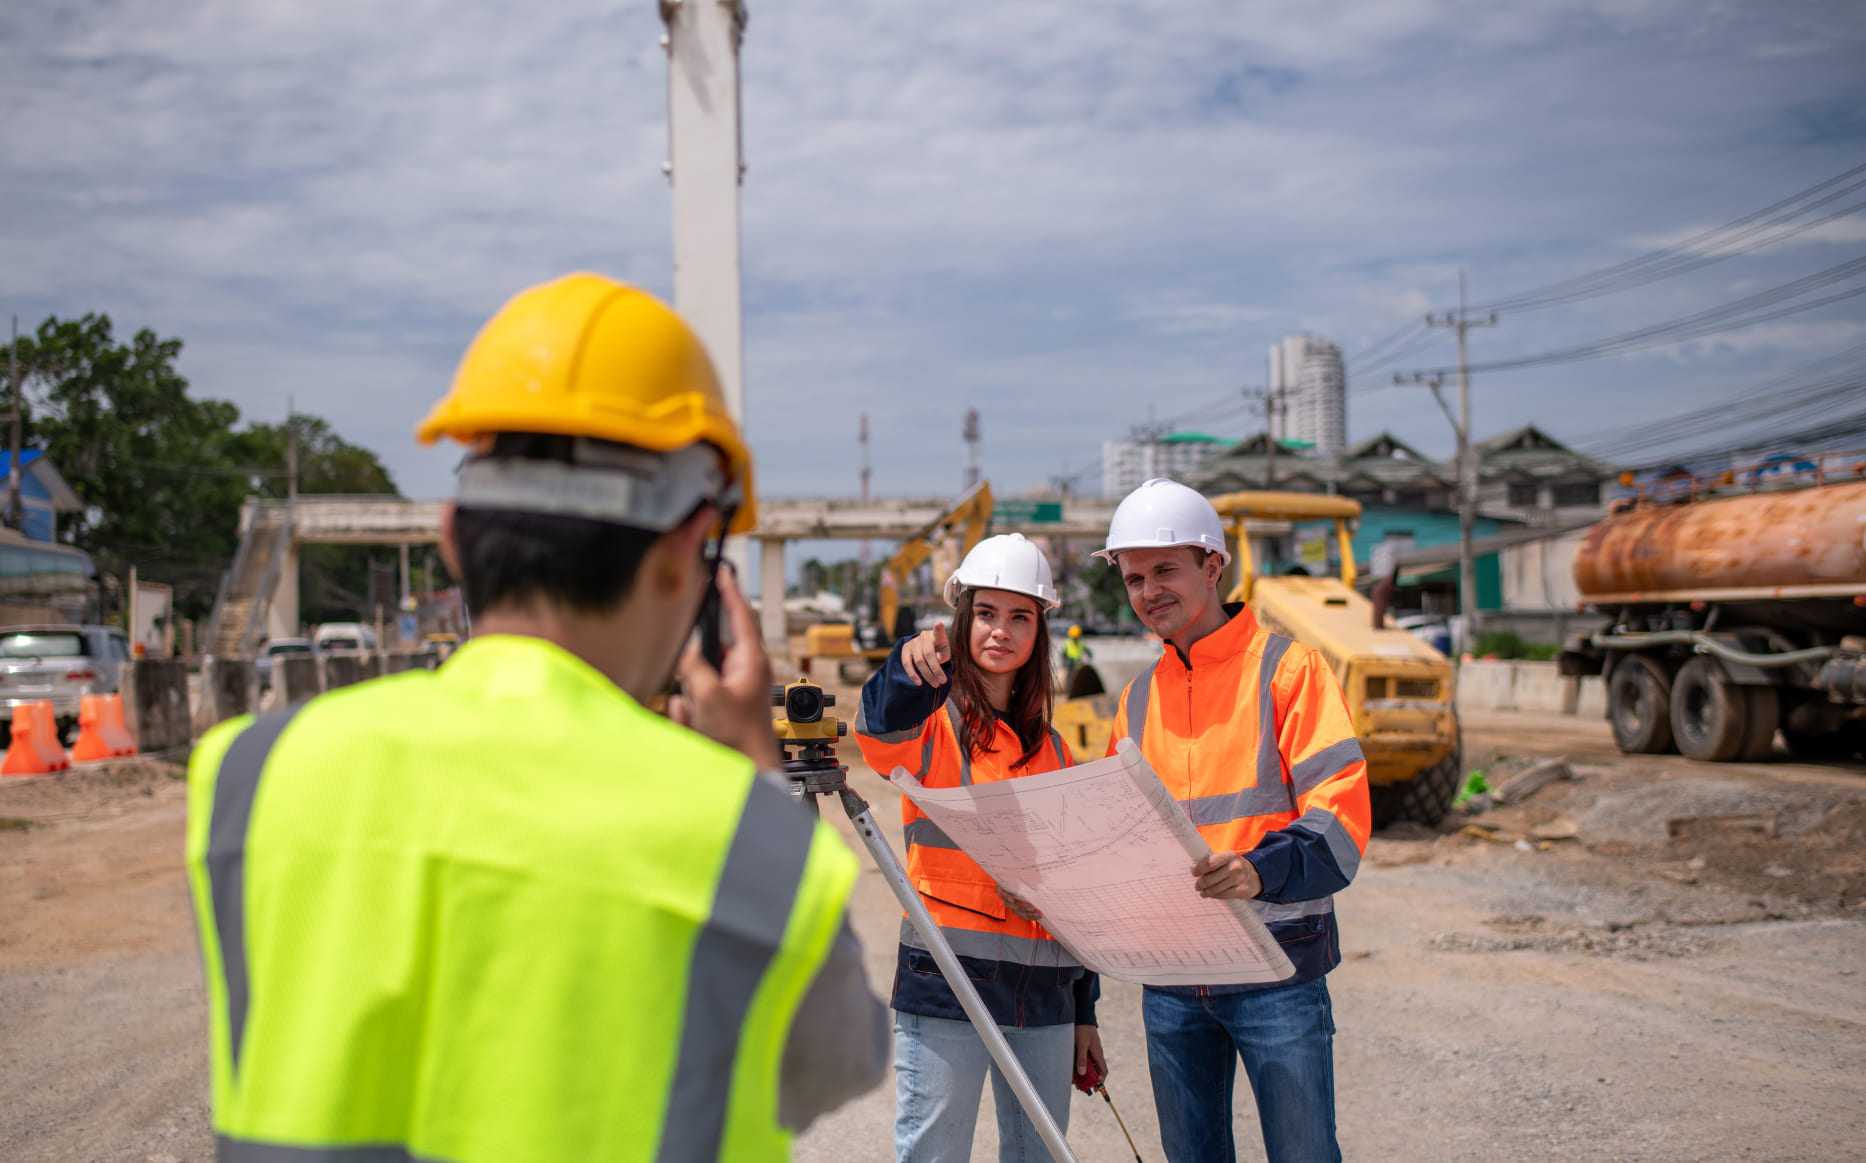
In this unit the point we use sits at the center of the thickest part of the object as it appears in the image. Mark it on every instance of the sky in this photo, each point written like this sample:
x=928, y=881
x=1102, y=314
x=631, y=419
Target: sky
x=1071, y=216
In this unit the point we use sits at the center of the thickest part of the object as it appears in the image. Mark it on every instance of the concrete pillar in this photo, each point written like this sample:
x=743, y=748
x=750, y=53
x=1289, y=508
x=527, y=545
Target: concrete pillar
x=282, y=616
x=771, y=601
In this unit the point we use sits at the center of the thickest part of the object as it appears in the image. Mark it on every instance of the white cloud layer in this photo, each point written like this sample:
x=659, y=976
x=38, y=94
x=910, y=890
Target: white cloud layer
x=1064, y=214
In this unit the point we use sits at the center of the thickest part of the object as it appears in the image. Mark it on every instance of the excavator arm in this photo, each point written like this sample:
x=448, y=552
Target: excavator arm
x=971, y=514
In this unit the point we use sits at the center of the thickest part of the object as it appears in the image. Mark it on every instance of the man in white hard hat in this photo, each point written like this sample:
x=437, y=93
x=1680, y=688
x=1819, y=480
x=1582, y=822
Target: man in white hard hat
x=1250, y=733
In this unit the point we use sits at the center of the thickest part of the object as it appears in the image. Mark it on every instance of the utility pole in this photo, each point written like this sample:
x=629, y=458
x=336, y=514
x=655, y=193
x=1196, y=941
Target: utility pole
x=291, y=454
x=865, y=471
x=1275, y=407
x=12, y=480
x=971, y=433
x=1467, y=459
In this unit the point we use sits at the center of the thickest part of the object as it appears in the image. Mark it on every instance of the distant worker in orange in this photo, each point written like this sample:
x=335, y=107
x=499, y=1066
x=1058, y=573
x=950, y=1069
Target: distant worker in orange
x=1249, y=732
x=977, y=713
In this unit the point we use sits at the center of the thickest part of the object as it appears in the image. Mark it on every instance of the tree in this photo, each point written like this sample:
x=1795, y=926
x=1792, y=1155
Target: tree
x=163, y=474
x=147, y=459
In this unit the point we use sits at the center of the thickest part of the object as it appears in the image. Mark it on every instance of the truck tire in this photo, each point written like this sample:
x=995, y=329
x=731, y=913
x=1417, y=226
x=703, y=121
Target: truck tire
x=1639, y=705
x=1765, y=715
x=1710, y=714
x=1424, y=799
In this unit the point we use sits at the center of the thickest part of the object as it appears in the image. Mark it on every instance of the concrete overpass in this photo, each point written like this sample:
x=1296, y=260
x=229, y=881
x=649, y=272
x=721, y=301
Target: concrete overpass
x=261, y=590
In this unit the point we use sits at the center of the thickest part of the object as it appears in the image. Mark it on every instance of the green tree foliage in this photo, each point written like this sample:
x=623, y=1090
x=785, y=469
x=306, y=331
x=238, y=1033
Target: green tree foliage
x=163, y=474
x=333, y=580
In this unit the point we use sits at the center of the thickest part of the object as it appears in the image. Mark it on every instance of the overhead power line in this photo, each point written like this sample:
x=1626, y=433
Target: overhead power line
x=1761, y=307
x=1762, y=228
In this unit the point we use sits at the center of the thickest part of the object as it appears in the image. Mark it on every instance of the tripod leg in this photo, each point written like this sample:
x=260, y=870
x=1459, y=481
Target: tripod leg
x=974, y=1006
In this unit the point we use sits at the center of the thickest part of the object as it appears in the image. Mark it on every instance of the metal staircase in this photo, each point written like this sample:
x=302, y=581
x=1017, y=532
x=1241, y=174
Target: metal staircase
x=238, y=623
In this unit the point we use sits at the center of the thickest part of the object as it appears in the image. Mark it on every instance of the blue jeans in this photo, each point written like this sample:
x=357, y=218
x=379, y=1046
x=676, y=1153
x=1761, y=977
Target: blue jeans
x=939, y=1078
x=1286, y=1037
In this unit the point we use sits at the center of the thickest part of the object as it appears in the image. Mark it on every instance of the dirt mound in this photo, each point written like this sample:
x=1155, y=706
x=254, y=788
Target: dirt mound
x=1631, y=942
x=41, y=801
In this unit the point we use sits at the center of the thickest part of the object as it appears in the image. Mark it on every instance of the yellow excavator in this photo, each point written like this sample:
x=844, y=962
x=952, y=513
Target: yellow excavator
x=1399, y=690
x=963, y=525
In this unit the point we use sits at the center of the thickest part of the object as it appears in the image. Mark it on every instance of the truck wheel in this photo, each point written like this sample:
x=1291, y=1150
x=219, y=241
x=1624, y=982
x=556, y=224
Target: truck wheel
x=1425, y=798
x=1765, y=715
x=1639, y=704
x=1710, y=714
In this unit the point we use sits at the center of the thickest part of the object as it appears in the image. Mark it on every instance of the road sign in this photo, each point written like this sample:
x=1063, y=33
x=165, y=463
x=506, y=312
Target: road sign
x=1027, y=513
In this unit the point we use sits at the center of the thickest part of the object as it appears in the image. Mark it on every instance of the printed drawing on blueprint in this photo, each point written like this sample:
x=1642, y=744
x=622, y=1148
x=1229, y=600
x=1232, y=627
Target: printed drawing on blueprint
x=1105, y=853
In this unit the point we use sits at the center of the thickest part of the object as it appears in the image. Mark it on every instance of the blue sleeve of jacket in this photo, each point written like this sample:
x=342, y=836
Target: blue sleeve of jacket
x=1088, y=990
x=1296, y=864
x=893, y=702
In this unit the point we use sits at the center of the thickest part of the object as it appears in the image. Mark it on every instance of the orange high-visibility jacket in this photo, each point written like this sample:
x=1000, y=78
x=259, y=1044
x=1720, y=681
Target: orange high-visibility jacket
x=1254, y=740
x=1025, y=976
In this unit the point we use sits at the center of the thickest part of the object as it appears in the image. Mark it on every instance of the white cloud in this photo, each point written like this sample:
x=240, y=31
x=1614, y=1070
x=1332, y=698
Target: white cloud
x=1062, y=213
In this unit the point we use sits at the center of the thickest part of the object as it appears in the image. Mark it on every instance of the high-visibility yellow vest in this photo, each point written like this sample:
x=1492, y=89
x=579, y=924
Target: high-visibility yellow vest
x=500, y=912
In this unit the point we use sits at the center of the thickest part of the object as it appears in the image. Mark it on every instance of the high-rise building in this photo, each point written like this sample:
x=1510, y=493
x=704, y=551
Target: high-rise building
x=1307, y=380
x=1126, y=464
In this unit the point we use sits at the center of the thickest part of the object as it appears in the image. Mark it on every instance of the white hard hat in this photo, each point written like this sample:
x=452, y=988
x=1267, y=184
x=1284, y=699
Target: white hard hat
x=1004, y=562
x=1161, y=514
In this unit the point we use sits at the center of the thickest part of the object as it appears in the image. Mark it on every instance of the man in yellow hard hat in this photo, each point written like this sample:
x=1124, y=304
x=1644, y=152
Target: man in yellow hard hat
x=502, y=911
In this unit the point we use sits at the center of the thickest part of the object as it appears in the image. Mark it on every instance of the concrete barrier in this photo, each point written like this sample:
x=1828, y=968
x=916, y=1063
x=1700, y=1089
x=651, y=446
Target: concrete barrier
x=296, y=677
x=1485, y=685
x=348, y=667
x=155, y=703
x=229, y=689
x=414, y=660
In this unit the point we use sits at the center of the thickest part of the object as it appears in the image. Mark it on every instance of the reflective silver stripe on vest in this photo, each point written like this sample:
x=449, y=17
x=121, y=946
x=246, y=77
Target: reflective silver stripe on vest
x=751, y=909
x=1138, y=692
x=1341, y=846
x=965, y=756
x=924, y=833
x=1269, y=911
x=1325, y=764
x=1056, y=741
x=1269, y=759
x=235, y=788
x=244, y=1151
x=983, y=946
x=1262, y=800
x=861, y=728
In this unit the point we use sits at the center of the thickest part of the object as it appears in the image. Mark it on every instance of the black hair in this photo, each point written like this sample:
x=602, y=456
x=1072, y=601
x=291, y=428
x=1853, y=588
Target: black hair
x=516, y=557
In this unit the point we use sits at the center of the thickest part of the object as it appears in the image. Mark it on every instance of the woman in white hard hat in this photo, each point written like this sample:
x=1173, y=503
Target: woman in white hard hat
x=973, y=714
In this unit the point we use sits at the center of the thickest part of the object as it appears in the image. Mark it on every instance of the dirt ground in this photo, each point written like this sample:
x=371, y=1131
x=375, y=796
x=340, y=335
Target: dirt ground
x=1620, y=993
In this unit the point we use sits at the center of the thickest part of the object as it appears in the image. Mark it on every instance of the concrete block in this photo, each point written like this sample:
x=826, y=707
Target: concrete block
x=413, y=660
x=155, y=703
x=1527, y=686
x=348, y=667
x=297, y=677
x=229, y=689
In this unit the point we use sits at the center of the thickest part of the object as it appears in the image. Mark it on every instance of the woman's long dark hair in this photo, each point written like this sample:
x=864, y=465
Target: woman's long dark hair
x=1030, y=702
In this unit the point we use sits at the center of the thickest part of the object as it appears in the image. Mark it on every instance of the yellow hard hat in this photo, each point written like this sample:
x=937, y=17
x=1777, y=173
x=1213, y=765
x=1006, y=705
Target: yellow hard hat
x=1075, y=631
x=585, y=355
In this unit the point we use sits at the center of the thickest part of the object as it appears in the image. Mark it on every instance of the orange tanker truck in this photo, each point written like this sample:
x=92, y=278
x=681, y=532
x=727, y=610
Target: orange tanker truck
x=1737, y=609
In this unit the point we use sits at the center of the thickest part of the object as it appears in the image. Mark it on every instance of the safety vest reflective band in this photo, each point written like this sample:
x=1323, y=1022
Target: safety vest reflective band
x=961, y=896
x=425, y=943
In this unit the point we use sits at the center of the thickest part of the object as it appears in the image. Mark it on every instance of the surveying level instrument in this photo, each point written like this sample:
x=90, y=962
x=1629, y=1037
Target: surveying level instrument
x=808, y=736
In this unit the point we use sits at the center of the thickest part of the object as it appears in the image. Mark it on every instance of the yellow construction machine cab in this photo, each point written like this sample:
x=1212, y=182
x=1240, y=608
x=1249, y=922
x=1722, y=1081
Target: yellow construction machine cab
x=1399, y=690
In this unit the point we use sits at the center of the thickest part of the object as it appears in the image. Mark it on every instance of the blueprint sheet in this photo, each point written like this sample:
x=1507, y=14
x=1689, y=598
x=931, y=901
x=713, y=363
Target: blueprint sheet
x=1106, y=853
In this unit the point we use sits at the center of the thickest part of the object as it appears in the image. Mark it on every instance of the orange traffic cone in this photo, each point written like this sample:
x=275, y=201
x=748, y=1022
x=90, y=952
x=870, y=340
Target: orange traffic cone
x=92, y=722
x=35, y=749
x=116, y=731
